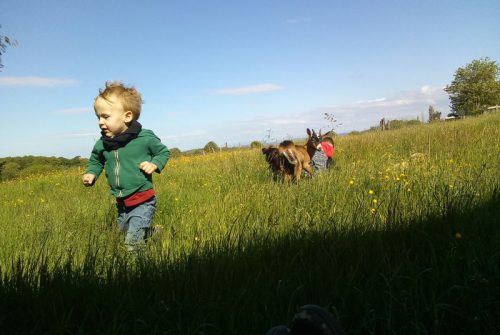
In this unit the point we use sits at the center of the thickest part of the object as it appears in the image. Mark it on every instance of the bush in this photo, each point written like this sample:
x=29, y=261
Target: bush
x=10, y=170
x=255, y=145
x=38, y=169
x=211, y=147
x=175, y=152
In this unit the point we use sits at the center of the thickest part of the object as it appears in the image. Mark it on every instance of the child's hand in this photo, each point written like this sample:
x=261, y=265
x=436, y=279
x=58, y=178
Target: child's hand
x=148, y=167
x=88, y=179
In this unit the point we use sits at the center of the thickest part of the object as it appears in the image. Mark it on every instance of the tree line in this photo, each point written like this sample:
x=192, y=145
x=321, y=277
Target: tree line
x=15, y=167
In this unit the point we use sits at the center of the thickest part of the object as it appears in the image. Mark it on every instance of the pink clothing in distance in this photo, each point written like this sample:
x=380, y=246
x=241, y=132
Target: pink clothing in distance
x=328, y=149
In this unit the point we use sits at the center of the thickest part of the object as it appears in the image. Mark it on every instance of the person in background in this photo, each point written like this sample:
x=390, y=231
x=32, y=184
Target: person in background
x=323, y=157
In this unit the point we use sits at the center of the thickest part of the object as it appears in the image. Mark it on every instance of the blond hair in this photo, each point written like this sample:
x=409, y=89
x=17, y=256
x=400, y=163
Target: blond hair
x=129, y=97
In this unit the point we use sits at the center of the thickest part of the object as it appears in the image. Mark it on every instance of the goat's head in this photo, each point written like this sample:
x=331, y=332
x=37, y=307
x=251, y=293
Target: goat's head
x=314, y=140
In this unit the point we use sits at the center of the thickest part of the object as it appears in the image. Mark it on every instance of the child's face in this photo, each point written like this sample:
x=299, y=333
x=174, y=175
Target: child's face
x=113, y=119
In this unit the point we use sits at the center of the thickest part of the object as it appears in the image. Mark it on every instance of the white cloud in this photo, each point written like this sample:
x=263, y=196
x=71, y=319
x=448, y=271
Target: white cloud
x=37, y=81
x=403, y=105
x=358, y=115
x=261, y=88
x=426, y=89
x=369, y=101
x=283, y=121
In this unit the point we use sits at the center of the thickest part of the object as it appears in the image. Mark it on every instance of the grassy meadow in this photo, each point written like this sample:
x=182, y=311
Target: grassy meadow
x=402, y=236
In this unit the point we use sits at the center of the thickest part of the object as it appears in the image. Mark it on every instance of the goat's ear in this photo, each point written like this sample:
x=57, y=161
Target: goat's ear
x=308, y=131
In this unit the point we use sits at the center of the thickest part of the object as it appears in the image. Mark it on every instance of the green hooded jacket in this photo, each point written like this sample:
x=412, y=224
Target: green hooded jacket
x=122, y=165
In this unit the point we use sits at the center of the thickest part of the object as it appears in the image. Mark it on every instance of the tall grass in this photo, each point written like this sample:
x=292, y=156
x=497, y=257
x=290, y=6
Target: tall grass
x=402, y=236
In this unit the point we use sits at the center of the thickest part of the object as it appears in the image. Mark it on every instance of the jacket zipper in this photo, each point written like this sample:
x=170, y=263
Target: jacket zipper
x=117, y=172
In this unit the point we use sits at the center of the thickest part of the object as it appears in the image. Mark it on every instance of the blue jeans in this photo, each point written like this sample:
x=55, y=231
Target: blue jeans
x=136, y=221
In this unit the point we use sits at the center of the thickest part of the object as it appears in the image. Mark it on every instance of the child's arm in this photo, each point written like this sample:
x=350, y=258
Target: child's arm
x=160, y=155
x=94, y=166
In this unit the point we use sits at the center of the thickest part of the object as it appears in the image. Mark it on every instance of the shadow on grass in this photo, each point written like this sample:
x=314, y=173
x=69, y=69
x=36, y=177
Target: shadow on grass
x=438, y=276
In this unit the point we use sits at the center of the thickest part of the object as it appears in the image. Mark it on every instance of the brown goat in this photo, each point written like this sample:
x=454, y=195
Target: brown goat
x=278, y=165
x=299, y=155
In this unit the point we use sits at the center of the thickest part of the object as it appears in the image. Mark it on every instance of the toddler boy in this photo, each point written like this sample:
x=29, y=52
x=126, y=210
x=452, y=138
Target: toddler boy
x=129, y=154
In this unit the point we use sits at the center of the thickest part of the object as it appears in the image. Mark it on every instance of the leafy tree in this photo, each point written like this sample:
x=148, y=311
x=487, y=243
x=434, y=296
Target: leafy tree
x=255, y=145
x=211, y=147
x=398, y=124
x=175, y=152
x=10, y=170
x=5, y=41
x=75, y=161
x=475, y=87
x=434, y=115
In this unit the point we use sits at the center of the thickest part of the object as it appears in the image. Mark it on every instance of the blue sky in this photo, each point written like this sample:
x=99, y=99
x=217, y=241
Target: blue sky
x=230, y=71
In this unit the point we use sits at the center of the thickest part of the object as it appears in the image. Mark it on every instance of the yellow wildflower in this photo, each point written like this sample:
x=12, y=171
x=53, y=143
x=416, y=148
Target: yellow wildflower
x=458, y=236
x=370, y=192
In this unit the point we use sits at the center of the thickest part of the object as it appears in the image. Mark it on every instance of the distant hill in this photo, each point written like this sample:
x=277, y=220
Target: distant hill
x=15, y=167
